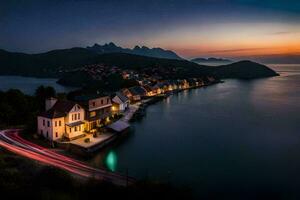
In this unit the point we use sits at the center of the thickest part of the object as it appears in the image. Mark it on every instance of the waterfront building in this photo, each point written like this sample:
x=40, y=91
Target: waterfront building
x=98, y=110
x=192, y=82
x=156, y=90
x=120, y=102
x=135, y=93
x=61, y=119
x=149, y=91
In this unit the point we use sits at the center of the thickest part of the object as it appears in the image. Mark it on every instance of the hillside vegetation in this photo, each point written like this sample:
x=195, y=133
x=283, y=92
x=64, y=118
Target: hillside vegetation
x=58, y=62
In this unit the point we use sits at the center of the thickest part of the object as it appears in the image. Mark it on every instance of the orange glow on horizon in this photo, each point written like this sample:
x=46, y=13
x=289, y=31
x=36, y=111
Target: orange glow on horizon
x=232, y=40
x=236, y=52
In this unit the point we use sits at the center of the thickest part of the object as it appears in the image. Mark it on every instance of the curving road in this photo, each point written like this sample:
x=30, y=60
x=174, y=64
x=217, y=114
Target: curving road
x=11, y=140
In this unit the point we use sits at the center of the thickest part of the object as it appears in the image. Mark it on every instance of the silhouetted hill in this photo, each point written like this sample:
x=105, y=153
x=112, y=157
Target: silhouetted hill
x=43, y=64
x=57, y=62
x=243, y=70
x=51, y=63
x=171, y=68
x=142, y=51
x=131, y=61
x=276, y=59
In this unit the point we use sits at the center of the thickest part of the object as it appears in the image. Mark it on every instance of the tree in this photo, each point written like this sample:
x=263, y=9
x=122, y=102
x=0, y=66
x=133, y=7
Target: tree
x=42, y=93
x=16, y=107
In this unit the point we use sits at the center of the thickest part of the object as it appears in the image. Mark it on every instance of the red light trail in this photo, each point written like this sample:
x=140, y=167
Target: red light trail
x=10, y=140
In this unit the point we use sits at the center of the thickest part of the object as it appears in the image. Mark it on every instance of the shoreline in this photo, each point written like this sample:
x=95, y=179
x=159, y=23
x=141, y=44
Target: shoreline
x=137, y=112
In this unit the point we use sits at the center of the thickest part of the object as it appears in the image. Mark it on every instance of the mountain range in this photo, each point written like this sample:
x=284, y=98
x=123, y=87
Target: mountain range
x=137, y=50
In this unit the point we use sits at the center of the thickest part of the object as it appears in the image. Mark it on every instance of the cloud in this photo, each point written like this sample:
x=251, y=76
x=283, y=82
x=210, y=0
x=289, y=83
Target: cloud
x=281, y=33
x=237, y=50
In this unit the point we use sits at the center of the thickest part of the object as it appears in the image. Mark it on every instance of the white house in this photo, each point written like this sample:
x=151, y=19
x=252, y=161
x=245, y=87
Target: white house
x=121, y=102
x=61, y=119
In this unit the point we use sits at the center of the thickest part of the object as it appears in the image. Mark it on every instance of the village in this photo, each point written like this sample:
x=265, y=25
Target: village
x=88, y=122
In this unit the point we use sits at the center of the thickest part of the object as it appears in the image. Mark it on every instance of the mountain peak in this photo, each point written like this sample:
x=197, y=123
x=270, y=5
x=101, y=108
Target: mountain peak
x=111, y=44
x=145, y=48
x=137, y=50
x=96, y=45
x=136, y=47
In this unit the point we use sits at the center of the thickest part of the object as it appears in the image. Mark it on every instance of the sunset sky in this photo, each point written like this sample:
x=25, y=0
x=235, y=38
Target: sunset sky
x=222, y=28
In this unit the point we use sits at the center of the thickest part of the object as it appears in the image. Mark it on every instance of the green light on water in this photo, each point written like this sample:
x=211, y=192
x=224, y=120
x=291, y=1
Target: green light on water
x=111, y=161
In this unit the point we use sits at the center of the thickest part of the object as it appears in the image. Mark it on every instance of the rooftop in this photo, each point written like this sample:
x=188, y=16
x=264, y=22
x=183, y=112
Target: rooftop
x=60, y=109
x=137, y=90
x=122, y=97
x=89, y=97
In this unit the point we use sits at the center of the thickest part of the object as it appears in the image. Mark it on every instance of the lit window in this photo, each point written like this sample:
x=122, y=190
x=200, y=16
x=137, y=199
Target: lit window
x=78, y=116
x=70, y=130
x=75, y=128
x=55, y=123
x=59, y=123
x=92, y=114
x=56, y=134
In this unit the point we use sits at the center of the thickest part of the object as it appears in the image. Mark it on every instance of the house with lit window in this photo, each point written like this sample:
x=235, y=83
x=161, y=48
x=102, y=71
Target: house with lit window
x=192, y=82
x=156, y=90
x=61, y=119
x=149, y=90
x=135, y=93
x=97, y=110
x=160, y=87
x=120, y=102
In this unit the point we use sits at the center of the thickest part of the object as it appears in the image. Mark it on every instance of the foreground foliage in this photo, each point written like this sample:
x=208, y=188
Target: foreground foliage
x=20, y=110
x=26, y=179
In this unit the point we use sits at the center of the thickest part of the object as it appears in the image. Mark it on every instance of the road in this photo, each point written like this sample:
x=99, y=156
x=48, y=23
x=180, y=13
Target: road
x=12, y=141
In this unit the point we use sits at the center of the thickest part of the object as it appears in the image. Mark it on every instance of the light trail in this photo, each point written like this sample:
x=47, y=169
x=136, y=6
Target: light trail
x=11, y=140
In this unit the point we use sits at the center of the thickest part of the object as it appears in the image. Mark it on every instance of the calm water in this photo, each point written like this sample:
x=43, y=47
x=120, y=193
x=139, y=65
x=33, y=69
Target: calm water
x=29, y=84
x=239, y=136
x=235, y=137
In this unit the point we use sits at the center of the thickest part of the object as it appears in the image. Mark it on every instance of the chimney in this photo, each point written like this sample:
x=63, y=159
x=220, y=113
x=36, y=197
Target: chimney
x=49, y=103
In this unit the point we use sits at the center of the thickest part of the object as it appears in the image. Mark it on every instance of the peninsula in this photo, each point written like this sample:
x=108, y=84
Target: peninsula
x=58, y=63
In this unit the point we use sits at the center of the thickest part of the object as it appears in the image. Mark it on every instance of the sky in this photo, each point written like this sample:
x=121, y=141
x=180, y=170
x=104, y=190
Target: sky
x=191, y=28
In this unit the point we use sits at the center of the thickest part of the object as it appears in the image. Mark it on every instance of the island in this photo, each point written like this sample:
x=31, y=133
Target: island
x=211, y=60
